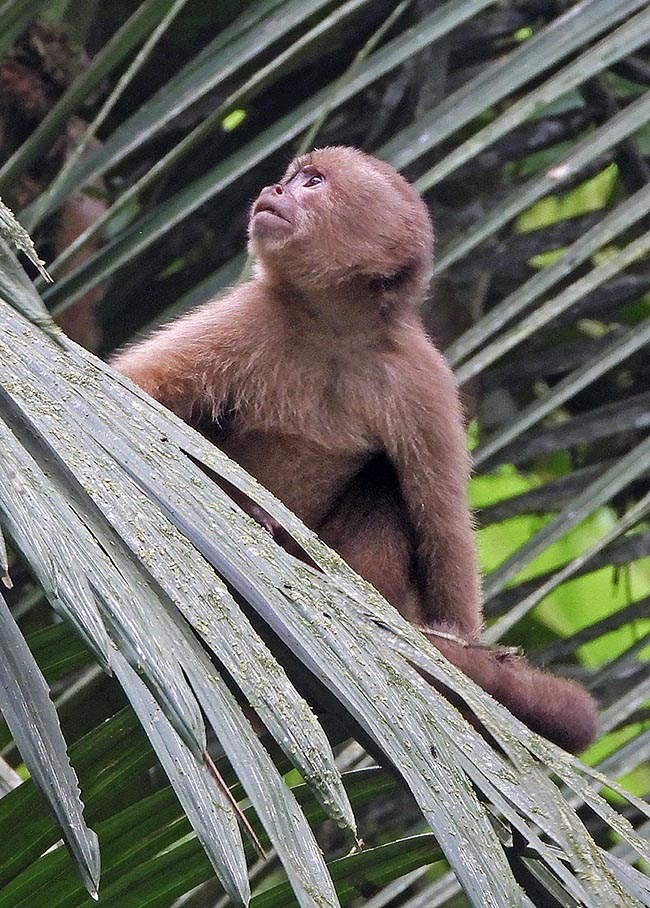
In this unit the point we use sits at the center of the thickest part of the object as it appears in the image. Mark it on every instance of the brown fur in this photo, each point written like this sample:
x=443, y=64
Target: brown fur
x=318, y=378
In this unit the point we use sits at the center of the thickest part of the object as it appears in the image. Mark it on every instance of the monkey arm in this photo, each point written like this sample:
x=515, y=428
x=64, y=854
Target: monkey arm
x=188, y=364
x=424, y=437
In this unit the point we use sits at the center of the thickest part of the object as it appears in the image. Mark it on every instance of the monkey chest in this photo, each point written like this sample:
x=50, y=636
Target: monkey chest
x=305, y=475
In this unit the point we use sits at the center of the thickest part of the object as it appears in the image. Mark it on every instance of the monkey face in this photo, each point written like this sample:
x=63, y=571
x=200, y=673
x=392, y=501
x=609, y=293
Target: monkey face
x=284, y=213
x=338, y=217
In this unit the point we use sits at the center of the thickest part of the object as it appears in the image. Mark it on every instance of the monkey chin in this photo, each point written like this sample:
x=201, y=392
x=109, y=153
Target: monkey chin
x=267, y=229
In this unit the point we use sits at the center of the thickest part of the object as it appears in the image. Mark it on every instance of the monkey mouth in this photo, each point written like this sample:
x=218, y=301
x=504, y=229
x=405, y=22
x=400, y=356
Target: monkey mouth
x=268, y=210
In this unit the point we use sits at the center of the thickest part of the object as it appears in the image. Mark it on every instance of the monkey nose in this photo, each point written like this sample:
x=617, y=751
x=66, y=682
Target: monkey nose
x=277, y=189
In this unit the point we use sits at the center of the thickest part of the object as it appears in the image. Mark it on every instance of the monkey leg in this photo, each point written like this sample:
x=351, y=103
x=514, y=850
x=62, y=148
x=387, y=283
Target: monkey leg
x=370, y=530
x=257, y=512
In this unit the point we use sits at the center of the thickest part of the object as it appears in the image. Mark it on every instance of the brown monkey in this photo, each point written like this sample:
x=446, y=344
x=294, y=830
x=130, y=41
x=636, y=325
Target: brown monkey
x=317, y=377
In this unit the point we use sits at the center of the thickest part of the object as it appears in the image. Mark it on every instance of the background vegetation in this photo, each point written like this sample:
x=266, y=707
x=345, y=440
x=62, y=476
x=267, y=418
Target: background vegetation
x=133, y=136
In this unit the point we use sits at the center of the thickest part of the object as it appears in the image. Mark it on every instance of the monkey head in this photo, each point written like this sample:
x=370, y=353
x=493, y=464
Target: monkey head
x=341, y=217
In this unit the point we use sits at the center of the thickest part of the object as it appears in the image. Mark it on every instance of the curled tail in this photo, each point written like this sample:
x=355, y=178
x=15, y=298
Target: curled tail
x=557, y=708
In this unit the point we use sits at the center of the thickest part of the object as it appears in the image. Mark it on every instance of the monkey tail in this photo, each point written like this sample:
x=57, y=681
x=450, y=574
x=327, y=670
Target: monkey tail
x=557, y=708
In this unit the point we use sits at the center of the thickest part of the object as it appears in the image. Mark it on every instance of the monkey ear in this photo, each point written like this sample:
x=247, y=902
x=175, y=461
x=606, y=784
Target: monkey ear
x=401, y=287
x=395, y=280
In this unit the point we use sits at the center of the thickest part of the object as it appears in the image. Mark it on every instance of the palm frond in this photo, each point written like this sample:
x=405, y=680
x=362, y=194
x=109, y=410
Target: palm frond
x=527, y=130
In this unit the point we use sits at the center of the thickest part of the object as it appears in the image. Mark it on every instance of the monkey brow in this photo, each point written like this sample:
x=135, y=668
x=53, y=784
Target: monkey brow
x=304, y=163
x=292, y=174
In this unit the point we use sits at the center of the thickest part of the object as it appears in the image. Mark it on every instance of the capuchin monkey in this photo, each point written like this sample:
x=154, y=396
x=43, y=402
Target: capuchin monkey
x=318, y=378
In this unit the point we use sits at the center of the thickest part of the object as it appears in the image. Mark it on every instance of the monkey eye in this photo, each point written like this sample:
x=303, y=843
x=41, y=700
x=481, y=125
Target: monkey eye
x=315, y=179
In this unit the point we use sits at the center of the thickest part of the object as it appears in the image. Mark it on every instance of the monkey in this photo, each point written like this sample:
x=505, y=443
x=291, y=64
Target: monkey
x=317, y=376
